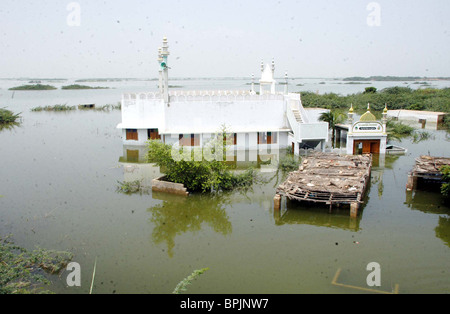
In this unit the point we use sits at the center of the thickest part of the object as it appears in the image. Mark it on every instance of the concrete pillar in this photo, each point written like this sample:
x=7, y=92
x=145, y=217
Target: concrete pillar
x=354, y=210
x=411, y=182
x=277, y=202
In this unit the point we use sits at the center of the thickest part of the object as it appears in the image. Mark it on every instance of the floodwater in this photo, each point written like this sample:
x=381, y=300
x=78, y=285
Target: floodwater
x=59, y=180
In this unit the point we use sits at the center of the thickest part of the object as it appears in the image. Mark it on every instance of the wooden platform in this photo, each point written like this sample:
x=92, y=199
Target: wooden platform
x=426, y=167
x=329, y=179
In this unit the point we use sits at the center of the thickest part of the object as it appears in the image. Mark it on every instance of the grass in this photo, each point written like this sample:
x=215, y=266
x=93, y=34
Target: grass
x=7, y=116
x=33, y=87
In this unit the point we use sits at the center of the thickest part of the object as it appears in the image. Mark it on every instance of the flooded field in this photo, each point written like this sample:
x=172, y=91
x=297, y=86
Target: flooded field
x=59, y=179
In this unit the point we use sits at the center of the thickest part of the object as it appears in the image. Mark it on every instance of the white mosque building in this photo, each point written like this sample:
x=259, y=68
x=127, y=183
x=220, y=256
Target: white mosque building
x=264, y=120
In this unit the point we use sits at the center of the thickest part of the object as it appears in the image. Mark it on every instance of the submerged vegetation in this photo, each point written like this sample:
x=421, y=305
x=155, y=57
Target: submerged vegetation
x=8, y=118
x=65, y=107
x=22, y=271
x=54, y=108
x=182, y=285
x=34, y=87
x=129, y=187
x=398, y=131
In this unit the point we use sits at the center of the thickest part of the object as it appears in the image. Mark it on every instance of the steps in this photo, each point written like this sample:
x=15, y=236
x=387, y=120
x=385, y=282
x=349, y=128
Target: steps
x=297, y=115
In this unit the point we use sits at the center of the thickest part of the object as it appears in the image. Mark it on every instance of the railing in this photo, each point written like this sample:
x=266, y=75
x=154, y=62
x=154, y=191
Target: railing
x=201, y=96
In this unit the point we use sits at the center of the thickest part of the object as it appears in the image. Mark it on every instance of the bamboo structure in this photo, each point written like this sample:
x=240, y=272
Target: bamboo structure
x=330, y=179
x=428, y=168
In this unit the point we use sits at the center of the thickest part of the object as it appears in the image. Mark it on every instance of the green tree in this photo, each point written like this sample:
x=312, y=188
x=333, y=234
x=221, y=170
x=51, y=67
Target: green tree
x=371, y=90
x=333, y=118
x=197, y=170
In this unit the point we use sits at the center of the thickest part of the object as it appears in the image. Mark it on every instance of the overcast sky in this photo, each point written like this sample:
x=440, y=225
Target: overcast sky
x=212, y=38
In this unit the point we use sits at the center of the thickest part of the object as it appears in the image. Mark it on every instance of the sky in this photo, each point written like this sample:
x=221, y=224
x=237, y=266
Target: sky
x=224, y=38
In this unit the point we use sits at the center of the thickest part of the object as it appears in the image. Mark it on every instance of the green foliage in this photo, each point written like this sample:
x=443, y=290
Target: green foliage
x=8, y=117
x=445, y=187
x=197, y=172
x=370, y=90
x=182, y=285
x=332, y=117
x=21, y=270
x=395, y=97
x=34, y=87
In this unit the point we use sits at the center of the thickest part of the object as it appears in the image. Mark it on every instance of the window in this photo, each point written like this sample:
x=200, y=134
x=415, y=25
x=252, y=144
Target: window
x=189, y=140
x=153, y=134
x=132, y=135
x=267, y=137
x=231, y=139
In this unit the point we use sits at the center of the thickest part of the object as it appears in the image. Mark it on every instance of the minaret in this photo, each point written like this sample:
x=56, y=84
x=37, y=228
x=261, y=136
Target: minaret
x=350, y=120
x=384, y=119
x=160, y=60
x=164, y=67
x=272, y=88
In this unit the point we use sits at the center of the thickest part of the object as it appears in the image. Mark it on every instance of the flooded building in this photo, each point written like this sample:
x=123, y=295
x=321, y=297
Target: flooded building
x=266, y=119
x=367, y=135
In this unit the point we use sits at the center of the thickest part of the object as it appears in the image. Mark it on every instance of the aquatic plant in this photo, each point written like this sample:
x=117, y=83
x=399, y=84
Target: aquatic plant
x=129, y=187
x=21, y=270
x=182, y=285
x=7, y=116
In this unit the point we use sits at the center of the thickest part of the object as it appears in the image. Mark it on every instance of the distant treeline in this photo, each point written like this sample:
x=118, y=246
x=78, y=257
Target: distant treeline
x=394, y=78
x=395, y=97
x=49, y=87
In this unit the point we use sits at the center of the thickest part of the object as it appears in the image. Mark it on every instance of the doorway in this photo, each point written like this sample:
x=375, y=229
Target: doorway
x=366, y=147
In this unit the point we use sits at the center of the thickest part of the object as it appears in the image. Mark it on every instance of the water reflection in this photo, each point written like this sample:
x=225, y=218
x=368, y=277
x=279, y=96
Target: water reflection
x=443, y=230
x=299, y=214
x=178, y=215
x=427, y=202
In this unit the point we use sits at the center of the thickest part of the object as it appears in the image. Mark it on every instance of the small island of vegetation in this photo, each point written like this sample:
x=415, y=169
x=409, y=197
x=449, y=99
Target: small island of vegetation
x=33, y=87
x=77, y=86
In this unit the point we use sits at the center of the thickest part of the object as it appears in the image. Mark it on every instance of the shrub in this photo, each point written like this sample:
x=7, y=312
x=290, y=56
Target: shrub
x=195, y=172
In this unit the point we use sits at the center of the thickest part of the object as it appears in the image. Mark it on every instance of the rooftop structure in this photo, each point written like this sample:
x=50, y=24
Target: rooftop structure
x=330, y=179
